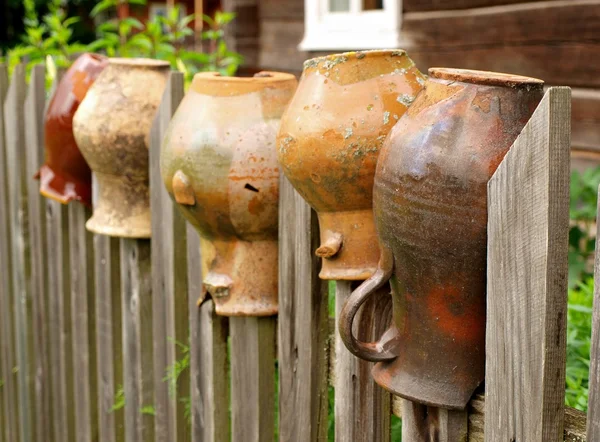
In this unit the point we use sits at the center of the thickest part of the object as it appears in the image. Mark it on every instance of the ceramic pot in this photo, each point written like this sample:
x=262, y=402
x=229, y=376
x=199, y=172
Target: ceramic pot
x=430, y=205
x=219, y=164
x=112, y=129
x=65, y=176
x=329, y=142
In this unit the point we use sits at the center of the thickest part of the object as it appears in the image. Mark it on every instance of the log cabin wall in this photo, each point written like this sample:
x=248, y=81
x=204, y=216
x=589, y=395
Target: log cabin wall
x=558, y=41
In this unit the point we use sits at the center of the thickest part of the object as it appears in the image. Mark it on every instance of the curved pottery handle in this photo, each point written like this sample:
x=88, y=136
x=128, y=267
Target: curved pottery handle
x=370, y=351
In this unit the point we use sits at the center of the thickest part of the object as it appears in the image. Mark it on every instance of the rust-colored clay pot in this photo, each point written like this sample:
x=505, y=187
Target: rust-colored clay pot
x=430, y=206
x=112, y=128
x=328, y=145
x=65, y=176
x=219, y=164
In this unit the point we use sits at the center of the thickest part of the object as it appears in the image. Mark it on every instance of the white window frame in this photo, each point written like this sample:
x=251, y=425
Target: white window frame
x=356, y=29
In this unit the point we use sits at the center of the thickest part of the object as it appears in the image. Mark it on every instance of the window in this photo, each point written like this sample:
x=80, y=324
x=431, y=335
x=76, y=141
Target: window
x=351, y=24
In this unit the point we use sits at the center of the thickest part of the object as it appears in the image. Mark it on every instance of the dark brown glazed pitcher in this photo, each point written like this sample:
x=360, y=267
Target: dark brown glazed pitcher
x=430, y=207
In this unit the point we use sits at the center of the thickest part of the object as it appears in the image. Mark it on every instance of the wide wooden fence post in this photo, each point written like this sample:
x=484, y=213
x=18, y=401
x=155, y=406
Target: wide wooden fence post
x=303, y=333
x=7, y=345
x=528, y=223
x=169, y=283
x=34, y=141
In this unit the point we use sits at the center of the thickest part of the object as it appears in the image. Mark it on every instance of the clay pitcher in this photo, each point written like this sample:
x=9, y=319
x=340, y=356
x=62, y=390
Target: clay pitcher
x=329, y=143
x=430, y=206
x=112, y=129
x=219, y=164
x=65, y=176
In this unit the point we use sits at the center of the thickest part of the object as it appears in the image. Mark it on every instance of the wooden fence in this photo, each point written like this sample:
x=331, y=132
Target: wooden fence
x=95, y=330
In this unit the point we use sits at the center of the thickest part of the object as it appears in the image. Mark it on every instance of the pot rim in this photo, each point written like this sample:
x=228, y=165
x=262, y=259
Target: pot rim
x=314, y=62
x=139, y=62
x=484, y=77
x=259, y=77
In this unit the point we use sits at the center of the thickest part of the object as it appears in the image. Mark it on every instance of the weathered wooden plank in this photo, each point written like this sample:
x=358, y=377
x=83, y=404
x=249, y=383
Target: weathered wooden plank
x=543, y=22
x=593, y=415
x=545, y=61
x=424, y=424
x=61, y=361
x=34, y=141
x=528, y=208
x=169, y=281
x=362, y=408
x=279, y=40
x=302, y=323
x=138, y=373
x=7, y=346
x=585, y=119
x=20, y=254
x=208, y=357
x=108, y=333
x=252, y=378
x=242, y=35
x=433, y=5
x=84, y=324
x=281, y=10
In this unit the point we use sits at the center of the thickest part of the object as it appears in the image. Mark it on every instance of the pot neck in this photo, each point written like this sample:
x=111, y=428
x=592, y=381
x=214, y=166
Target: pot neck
x=485, y=78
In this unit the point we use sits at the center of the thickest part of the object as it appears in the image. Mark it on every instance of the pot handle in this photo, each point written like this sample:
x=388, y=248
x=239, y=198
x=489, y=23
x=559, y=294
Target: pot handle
x=370, y=351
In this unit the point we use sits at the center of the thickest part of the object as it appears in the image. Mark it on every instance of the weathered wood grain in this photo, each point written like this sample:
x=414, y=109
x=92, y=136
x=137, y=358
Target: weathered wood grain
x=242, y=35
x=279, y=40
x=34, y=141
x=7, y=362
x=20, y=253
x=585, y=119
x=434, y=5
x=281, y=10
x=362, y=408
x=429, y=424
x=593, y=415
x=169, y=281
x=528, y=208
x=108, y=337
x=302, y=323
x=252, y=378
x=138, y=373
x=84, y=324
x=61, y=361
x=542, y=22
x=208, y=357
x=543, y=61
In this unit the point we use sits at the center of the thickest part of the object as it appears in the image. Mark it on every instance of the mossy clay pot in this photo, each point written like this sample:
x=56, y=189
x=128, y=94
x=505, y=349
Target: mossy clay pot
x=65, y=175
x=329, y=142
x=219, y=164
x=430, y=205
x=112, y=128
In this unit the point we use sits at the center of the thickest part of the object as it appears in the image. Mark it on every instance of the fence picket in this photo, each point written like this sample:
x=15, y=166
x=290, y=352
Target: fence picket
x=84, y=323
x=303, y=330
x=593, y=415
x=9, y=388
x=169, y=281
x=108, y=337
x=362, y=408
x=528, y=223
x=209, y=382
x=14, y=119
x=252, y=378
x=34, y=140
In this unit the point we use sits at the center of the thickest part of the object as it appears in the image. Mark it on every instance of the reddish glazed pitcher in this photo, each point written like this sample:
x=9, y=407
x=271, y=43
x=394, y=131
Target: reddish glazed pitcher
x=430, y=206
x=66, y=176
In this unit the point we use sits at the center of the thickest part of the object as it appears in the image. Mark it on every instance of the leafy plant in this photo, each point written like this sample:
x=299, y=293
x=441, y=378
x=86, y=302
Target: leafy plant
x=579, y=331
x=119, y=401
x=582, y=238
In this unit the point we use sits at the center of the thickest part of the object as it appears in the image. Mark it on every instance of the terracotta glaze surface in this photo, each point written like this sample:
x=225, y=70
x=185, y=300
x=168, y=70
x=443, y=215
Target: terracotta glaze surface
x=219, y=164
x=112, y=128
x=65, y=175
x=329, y=142
x=430, y=206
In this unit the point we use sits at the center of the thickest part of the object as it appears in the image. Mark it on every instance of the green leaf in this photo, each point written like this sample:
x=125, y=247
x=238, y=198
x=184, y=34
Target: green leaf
x=133, y=23
x=103, y=6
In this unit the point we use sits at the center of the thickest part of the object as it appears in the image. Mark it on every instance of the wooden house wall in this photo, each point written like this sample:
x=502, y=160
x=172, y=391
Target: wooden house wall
x=557, y=41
